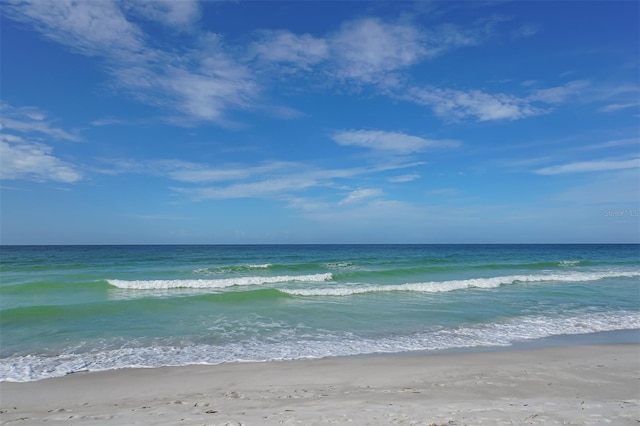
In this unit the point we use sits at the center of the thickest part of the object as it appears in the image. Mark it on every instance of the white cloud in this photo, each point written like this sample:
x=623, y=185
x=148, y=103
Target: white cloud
x=88, y=27
x=197, y=173
x=279, y=179
x=404, y=178
x=452, y=104
x=360, y=195
x=617, y=107
x=24, y=155
x=397, y=142
x=202, y=85
x=108, y=121
x=173, y=13
x=21, y=159
x=201, y=80
x=525, y=31
x=590, y=166
x=558, y=94
x=613, y=144
x=367, y=48
x=191, y=172
x=370, y=50
x=39, y=127
x=258, y=189
x=31, y=120
x=284, y=46
x=208, y=94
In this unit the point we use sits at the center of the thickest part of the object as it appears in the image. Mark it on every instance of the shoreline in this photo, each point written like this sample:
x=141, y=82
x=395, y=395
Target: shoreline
x=551, y=384
x=591, y=338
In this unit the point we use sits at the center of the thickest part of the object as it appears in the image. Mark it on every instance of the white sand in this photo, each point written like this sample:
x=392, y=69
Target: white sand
x=576, y=385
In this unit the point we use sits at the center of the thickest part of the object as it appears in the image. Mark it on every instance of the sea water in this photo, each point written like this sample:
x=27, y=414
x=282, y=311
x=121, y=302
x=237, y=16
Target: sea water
x=65, y=309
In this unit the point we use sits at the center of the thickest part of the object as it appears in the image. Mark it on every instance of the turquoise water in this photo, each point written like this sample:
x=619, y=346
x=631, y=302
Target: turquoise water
x=65, y=309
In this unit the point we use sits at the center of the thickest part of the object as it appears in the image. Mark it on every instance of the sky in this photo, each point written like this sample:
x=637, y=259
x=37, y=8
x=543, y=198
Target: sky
x=215, y=122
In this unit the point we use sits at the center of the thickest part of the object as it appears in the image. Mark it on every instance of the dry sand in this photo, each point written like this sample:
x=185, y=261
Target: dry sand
x=573, y=385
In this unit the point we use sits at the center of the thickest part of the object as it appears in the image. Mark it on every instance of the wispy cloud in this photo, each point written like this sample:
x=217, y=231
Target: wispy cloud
x=590, y=166
x=554, y=95
x=202, y=85
x=300, y=51
x=31, y=120
x=87, y=27
x=618, y=107
x=108, y=121
x=177, y=14
x=404, y=178
x=391, y=142
x=525, y=31
x=275, y=179
x=257, y=189
x=360, y=195
x=34, y=161
x=455, y=105
x=204, y=78
x=613, y=144
x=364, y=51
x=24, y=151
x=370, y=50
x=183, y=171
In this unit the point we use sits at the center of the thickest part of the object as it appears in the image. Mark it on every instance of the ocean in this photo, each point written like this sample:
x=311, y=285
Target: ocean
x=67, y=309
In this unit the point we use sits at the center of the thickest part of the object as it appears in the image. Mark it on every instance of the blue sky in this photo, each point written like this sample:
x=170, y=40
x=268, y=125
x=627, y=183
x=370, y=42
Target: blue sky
x=319, y=122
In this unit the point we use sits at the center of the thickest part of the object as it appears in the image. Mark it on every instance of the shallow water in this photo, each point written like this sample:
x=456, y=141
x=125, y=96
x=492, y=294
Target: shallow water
x=76, y=308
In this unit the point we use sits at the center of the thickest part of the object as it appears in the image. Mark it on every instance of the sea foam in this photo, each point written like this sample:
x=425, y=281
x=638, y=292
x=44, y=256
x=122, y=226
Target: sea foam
x=444, y=286
x=309, y=346
x=217, y=283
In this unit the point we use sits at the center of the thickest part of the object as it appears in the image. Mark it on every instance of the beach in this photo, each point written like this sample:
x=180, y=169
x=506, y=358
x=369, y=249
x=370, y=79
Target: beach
x=575, y=385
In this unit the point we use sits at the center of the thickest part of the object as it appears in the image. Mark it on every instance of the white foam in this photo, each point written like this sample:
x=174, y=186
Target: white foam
x=568, y=262
x=444, y=286
x=217, y=283
x=338, y=265
x=230, y=269
x=301, y=344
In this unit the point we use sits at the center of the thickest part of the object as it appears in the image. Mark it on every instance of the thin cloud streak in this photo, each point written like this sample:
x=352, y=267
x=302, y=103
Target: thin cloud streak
x=398, y=142
x=590, y=166
x=361, y=195
x=31, y=120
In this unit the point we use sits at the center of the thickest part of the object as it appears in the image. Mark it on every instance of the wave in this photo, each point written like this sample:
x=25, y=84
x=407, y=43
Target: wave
x=362, y=272
x=364, y=267
x=308, y=266
x=231, y=269
x=292, y=345
x=444, y=286
x=217, y=283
